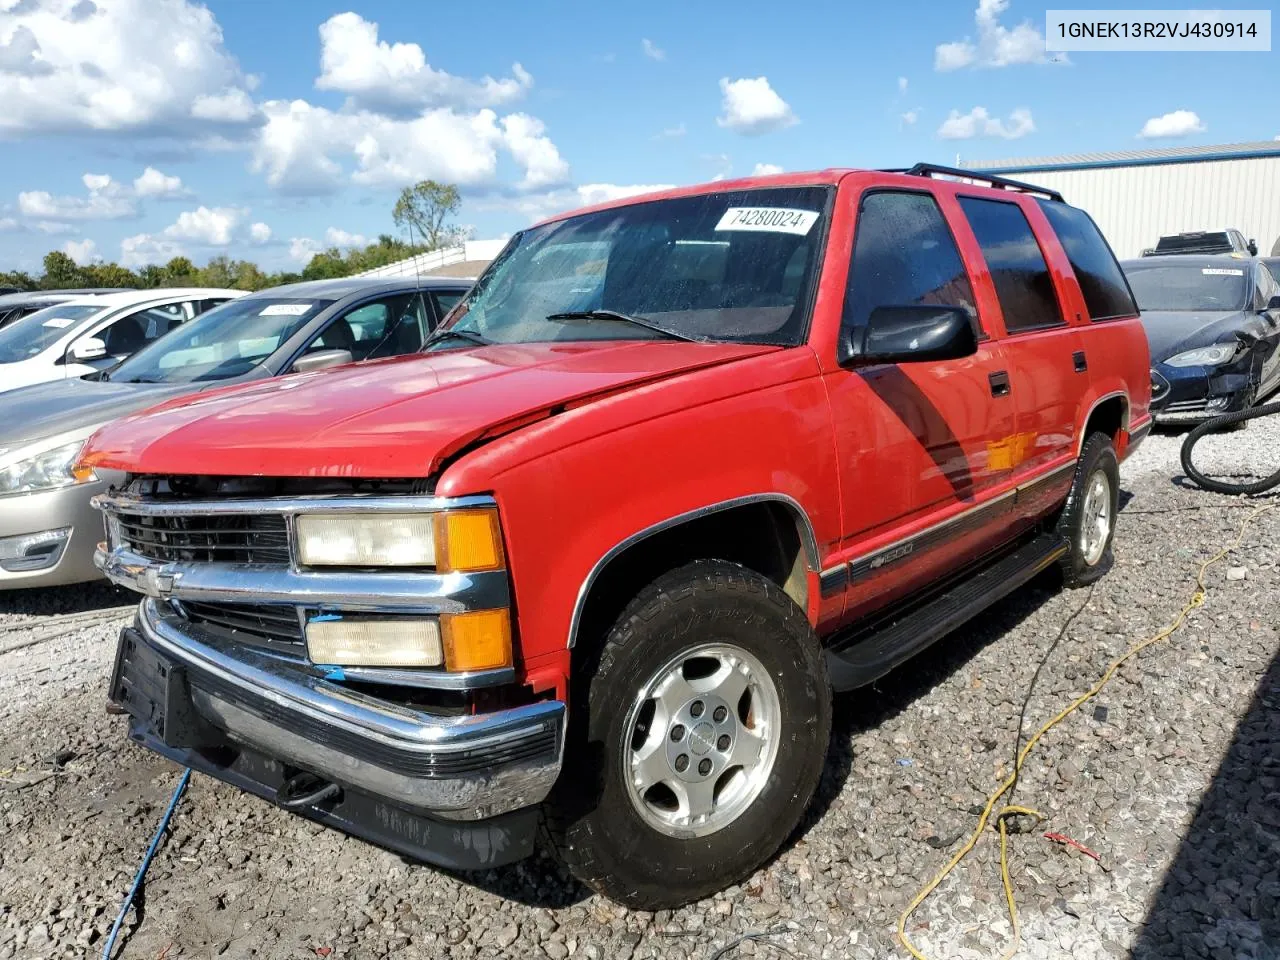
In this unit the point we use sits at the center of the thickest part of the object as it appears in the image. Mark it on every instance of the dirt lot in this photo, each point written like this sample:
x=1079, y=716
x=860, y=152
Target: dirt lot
x=1173, y=778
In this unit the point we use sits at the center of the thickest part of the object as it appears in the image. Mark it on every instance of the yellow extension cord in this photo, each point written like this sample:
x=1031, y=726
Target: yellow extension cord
x=1197, y=599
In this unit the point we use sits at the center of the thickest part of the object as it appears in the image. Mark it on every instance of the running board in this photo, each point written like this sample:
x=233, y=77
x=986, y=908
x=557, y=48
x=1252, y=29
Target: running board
x=867, y=653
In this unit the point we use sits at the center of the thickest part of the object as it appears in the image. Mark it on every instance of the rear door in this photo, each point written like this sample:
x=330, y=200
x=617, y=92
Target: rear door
x=1048, y=362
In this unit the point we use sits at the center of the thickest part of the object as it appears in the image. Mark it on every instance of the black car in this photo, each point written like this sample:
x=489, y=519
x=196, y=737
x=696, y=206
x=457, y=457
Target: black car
x=14, y=306
x=1213, y=324
x=1204, y=241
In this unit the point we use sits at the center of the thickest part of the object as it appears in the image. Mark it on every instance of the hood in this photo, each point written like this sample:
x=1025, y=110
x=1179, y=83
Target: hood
x=1171, y=332
x=396, y=418
x=61, y=406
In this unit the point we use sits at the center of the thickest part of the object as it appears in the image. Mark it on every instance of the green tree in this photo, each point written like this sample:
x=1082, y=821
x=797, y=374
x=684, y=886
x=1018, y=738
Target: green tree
x=179, y=272
x=109, y=275
x=20, y=279
x=151, y=276
x=325, y=265
x=424, y=210
x=60, y=272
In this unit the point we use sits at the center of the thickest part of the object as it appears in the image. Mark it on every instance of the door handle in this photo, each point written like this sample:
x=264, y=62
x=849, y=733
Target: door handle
x=999, y=383
x=1080, y=360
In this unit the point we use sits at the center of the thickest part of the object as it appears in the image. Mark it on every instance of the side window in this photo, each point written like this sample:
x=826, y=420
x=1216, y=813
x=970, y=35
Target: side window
x=133, y=331
x=903, y=255
x=1023, y=285
x=1106, y=292
x=381, y=328
x=446, y=300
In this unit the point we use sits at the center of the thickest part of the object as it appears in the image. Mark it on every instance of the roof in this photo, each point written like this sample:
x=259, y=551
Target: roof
x=1131, y=158
x=339, y=287
x=1191, y=260
x=36, y=296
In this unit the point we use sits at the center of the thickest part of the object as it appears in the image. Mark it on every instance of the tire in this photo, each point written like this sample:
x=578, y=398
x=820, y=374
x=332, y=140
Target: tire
x=635, y=846
x=1094, y=499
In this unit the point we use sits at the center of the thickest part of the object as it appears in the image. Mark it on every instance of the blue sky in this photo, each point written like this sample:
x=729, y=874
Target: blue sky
x=137, y=130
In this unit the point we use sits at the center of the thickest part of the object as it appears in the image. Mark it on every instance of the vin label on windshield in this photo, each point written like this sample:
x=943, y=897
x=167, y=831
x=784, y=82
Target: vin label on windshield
x=768, y=220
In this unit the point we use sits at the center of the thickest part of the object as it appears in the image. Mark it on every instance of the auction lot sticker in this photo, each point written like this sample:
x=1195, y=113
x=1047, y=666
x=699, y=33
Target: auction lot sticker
x=768, y=220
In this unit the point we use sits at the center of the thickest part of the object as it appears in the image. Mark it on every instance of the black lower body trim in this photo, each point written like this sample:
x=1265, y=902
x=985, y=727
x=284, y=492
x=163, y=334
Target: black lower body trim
x=452, y=844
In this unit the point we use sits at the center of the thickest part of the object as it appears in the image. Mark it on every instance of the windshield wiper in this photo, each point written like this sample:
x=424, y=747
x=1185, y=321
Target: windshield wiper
x=622, y=318
x=447, y=333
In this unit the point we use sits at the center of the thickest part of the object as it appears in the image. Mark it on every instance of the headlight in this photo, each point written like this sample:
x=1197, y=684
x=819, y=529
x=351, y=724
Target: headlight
x=45, y=470
x=448, y=540
x=1213, y=356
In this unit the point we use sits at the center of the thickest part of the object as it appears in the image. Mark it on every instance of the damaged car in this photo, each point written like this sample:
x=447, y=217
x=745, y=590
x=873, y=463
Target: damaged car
x=1213, y=325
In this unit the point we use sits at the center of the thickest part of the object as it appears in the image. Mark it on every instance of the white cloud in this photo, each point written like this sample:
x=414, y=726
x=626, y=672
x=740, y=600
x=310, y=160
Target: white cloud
x=308, y=149
x=107, y=200
x=752, y=107
x=909, y=117
x=1179, y=123
x=674, y=133
x=996, y=46
x=539, y=206
x=526, y=138
x=7, y=224
x=902, y=85
x=153, y=183
x=302, y=249
x=82, y=252
x=652, y=50
x=206, y=226
x=765, y=169
x=343, y=240
x=978, y=123
x=259, y=233
x=52, y=228
x=131, y=65
x=232, y=105
x=144, y=248
x=376, y=73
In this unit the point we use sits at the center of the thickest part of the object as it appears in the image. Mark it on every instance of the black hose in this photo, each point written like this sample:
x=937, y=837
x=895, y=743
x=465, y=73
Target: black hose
x=1213, y=426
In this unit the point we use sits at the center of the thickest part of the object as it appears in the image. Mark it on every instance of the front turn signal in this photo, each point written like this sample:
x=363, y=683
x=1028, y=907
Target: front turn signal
x=479, y=640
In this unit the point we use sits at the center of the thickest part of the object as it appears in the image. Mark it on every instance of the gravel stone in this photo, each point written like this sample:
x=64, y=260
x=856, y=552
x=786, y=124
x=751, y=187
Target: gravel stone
x=1176, y=786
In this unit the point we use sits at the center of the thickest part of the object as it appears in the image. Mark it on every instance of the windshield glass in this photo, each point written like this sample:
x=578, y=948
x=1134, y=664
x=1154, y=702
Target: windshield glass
x=226, y=341
x=38, y=331
x=1191, y=288
x=735, y=266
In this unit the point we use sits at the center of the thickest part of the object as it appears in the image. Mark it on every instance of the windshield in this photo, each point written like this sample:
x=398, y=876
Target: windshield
x=226, y=341
x=735, y=266
x=36, y=332
x=1191, y=288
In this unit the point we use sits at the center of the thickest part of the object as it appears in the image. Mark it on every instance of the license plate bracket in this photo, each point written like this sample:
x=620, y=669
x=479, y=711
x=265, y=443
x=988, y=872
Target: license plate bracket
x=153, y=689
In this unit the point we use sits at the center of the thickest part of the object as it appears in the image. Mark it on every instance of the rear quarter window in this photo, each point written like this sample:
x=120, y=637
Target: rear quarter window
x=1102, y=283
x=1024, y=288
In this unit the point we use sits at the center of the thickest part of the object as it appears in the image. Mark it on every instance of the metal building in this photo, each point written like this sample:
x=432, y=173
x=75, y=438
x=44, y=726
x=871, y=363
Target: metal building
x=1138, y=196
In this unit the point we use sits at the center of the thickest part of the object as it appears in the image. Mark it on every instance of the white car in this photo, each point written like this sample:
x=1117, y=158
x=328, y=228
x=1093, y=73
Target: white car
x=92, y=333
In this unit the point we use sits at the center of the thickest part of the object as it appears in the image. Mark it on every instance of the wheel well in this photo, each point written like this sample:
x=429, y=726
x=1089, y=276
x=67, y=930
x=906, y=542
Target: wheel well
x=764, y=537
x=1108, y=417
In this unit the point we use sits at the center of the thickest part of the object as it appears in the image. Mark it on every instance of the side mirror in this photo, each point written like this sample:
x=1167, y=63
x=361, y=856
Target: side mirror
x=321, y=360
x=89, y=348
x=1253, y=248
x=913, y=334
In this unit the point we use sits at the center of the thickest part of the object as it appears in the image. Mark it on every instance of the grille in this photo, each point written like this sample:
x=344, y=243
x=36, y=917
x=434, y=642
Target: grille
x=1187, y=406
x=237, y=538
x=270, y=626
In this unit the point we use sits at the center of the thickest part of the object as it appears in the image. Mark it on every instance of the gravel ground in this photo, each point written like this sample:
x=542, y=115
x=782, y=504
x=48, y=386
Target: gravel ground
x=1172, y=777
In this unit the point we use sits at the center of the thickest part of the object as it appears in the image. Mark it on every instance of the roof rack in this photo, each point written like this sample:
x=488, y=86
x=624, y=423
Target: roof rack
x=933, y=169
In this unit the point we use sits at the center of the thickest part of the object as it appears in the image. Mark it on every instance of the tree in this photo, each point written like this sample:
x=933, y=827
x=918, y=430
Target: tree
x=424, y=208
x=326, y=265
x=60, y=271
x=151, y=276
x=109, y=275
x=179, y=272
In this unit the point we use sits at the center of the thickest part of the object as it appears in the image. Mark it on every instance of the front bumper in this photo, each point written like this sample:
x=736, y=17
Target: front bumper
x=68, y=507
x=1195, y=394
x=185, y=688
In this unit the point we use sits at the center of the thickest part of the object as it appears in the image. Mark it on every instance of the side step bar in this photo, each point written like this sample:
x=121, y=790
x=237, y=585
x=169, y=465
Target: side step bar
x=869, y=652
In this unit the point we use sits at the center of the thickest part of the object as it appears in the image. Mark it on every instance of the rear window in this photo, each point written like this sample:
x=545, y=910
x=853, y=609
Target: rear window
x=1106, y=292
x=1195, y=243
x=1024, y=288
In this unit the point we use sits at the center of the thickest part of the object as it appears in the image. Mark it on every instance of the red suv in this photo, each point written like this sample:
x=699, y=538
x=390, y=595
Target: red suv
x=675, y=470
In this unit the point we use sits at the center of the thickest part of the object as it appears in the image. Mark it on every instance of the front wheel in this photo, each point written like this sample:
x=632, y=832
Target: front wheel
x=699, y=742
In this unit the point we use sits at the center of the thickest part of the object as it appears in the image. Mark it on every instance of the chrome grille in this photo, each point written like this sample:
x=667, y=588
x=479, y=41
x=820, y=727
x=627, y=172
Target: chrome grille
x=221, y=538
x=270, y=626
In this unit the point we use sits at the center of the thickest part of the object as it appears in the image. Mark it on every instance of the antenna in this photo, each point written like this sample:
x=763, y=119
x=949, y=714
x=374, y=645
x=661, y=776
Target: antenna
x=417, y=277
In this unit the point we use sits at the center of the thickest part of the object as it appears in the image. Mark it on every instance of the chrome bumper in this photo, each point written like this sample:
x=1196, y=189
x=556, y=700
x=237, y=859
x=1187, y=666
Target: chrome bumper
x=461, y=768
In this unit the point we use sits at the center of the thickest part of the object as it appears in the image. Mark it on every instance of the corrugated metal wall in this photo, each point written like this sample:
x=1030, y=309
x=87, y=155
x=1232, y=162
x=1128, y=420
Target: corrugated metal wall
x=1137, y=205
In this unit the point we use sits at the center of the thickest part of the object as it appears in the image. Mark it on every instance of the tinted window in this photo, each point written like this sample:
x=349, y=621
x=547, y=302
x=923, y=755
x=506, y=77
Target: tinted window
x=446, y=300
x=1195, y=243
x=1102, y=283
x=383, y=328
x=1194, y=287
x=903, y=254
x=731, y=266
x=1274, y=267
x=1023, y=285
